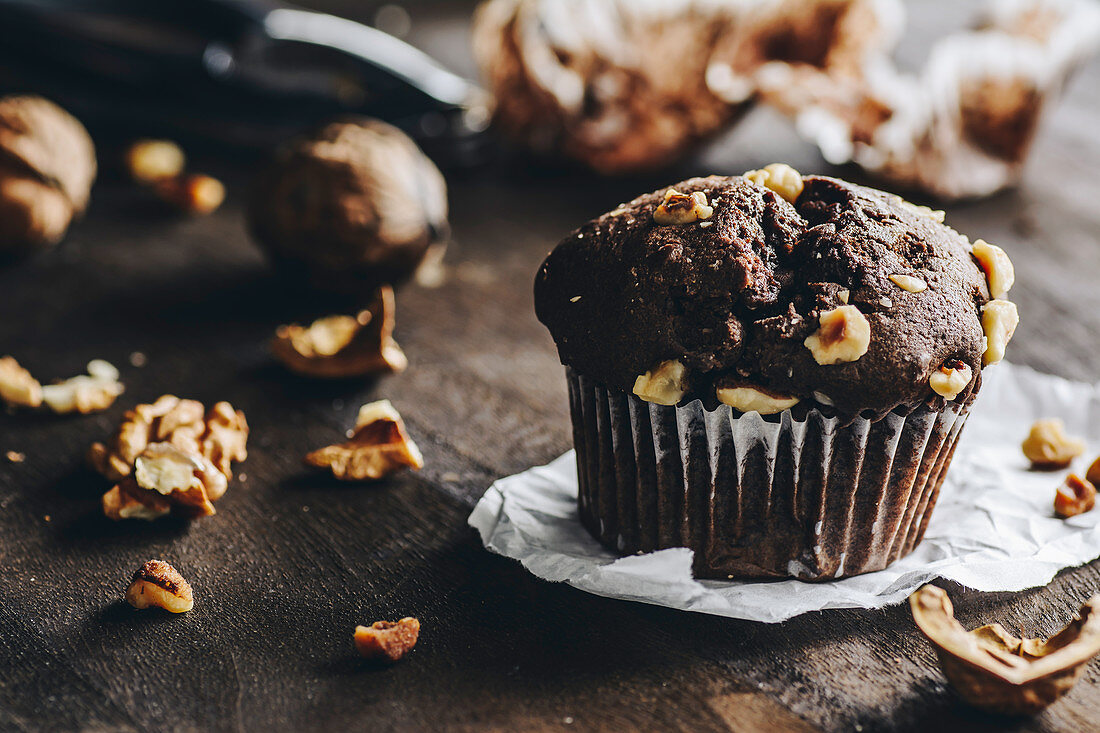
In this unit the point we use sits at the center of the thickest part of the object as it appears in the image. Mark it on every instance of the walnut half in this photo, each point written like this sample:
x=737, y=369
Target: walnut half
x=339, y=347
x=378, y=447
x=993, y=670
x=219, y=435
x=166, y=479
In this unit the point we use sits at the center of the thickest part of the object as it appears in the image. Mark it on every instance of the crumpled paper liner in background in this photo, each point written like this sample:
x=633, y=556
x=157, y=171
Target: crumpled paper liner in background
x=622, y=85
x=993, y=529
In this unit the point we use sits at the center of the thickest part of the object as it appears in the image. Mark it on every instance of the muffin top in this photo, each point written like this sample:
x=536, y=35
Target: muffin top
x=771, y=289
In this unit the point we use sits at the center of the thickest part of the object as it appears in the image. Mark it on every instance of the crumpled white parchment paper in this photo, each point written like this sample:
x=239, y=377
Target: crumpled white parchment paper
x=993, y=529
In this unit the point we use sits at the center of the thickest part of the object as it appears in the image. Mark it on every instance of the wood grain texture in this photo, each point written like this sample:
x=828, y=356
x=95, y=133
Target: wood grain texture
x=293, y=561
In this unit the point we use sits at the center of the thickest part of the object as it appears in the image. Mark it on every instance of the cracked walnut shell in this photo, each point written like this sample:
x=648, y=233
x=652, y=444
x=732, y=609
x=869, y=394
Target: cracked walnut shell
x=993, y=670
x=156, y=583
x=218, y=435
x=379, y=446
x=338, y=347
x=47, y=165
x=386, y=640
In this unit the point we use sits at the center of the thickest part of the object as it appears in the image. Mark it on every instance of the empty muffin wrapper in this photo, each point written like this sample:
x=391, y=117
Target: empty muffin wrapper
x=993, y=529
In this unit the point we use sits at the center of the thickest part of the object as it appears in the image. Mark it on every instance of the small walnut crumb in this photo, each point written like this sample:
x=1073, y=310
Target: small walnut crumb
x=1048, y=447
x=138, y=359
x=999, y=272
x=149, y=161
x=682, y=208
x=753, y=399
x=191, y=193
x=779, y=177
x=338, y=347
x=379, y=446
x=95, y=391
x=218, y=435
x=1075, y=496
x=951, y=379
x=844, y=335
x=662, y=385
x=999, y=321
x=386, y=640
x=17, y=386
x=909, y=283
x=843, y=295
x=15, y=456
x=156, y=583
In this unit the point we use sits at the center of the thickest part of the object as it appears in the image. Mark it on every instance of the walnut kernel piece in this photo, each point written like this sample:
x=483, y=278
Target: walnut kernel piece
x=682, y=208
x=999, y=321
x=1075, y=496
x=992, y=669
x=339, y=347
x=779, y=177
x=1093, y=474
x=191, y=193
x=156, y=583
x=149, y=161
x=935, y=215
x=909, y=283
x=1048, y=447
x=951, y=379
x=128, y=501
x=844, y=335
x=219, y=435
x=166, y=479
x=662, y=385
x=752, y=399
x=17, y=386
x=999, y=272
x=95, y=391
x=379, y=446
x=386, y=640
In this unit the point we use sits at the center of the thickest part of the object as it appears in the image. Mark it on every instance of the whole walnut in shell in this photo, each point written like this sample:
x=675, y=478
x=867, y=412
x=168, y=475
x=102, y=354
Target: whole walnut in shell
x=47, y=165
x=352, y=207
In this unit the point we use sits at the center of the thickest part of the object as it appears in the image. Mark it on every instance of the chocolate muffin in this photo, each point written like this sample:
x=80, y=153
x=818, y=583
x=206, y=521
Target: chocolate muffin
x=770, y=369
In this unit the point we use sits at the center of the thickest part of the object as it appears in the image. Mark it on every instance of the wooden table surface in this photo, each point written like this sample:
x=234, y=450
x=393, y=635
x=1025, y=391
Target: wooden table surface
x=292, y=561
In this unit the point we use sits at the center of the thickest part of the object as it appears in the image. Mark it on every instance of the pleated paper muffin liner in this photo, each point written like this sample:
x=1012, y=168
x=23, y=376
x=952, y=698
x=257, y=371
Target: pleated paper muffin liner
x=757, y=497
